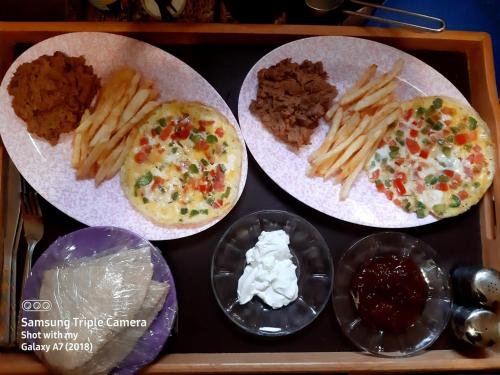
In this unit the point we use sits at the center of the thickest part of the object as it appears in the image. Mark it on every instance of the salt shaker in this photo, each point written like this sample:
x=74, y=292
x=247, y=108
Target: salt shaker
x=476, y=326
x=476, y=285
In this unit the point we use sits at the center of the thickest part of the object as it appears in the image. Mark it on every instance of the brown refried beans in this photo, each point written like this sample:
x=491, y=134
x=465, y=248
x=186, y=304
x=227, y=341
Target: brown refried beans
x=291, y=98
x=52, y=92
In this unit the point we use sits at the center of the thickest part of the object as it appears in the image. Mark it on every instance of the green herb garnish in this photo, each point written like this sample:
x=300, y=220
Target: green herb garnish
x=227, y=192
x=162, y=122
x=193, y=213
x=400, y=133
x=184, y=211
x=195, y=138
x=175, y=195
x=204, y=162
x=443, y=178
x=145, y=200
x=420, y=111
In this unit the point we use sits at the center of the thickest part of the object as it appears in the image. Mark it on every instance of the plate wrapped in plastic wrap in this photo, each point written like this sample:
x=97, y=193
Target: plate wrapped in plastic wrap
x=107, y=303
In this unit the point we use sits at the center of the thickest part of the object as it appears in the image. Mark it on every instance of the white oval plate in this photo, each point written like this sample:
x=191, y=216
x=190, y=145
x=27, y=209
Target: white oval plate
x=48, y=168
x=344, y=58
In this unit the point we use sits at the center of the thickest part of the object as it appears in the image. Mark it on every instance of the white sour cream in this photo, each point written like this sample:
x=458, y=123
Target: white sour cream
x=269, y=273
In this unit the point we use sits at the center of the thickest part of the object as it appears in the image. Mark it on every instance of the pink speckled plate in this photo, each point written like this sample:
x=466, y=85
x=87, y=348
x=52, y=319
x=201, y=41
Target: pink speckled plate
x=48, y=169
x=344, y=58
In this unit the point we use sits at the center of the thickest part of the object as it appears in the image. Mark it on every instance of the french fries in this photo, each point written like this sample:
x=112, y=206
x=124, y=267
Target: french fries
x=106, y=132
x=359, y=121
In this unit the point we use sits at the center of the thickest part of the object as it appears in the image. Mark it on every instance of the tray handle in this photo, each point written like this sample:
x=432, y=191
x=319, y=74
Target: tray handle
x=439, y=21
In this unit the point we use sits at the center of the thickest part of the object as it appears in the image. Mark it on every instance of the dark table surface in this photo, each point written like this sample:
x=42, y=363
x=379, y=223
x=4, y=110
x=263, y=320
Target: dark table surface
x=202, y=326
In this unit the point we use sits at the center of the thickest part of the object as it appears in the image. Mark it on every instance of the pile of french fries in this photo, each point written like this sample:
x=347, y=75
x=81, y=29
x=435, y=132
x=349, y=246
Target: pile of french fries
x=358, y=123
x=106, y=132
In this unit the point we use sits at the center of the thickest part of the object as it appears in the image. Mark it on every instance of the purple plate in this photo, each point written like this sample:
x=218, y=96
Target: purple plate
x=91, y=241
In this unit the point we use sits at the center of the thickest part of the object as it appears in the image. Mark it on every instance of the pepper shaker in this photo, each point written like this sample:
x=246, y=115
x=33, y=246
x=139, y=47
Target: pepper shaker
x=476, y=326
x=476, y=285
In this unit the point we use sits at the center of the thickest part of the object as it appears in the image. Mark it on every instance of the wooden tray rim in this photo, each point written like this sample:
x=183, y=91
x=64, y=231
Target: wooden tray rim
x=477, y=47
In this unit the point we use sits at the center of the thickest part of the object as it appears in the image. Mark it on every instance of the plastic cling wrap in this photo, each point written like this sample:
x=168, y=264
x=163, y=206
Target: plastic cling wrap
x=107, y=303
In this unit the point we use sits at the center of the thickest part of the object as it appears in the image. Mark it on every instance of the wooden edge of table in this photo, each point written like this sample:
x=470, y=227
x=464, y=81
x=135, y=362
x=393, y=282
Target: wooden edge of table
x=477, y=47
x=434, y=360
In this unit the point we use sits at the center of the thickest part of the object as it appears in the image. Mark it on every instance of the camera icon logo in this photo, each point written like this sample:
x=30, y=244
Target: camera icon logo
x=36, y=305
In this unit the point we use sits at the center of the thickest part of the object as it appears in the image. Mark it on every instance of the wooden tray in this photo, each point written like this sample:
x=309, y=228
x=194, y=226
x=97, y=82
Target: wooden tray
x=477, y=49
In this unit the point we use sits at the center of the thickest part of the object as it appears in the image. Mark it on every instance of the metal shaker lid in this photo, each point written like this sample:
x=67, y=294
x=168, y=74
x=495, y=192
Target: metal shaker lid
x=482, y=328
x=486, y=284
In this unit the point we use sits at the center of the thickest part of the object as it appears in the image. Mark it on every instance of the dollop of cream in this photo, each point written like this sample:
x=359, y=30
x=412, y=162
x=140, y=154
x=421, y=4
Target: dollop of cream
x=270, y=272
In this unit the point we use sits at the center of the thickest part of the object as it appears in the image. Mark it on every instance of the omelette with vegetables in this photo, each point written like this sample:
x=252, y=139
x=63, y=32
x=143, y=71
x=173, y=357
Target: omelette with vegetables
x=439, y=159
x=185, y=165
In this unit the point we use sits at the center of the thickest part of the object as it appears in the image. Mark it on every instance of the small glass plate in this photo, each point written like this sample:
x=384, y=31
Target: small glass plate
x=310, y=254
x=436, y=312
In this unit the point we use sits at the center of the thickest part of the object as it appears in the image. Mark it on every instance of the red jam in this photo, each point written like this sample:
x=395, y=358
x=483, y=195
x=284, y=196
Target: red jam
x=389, y=292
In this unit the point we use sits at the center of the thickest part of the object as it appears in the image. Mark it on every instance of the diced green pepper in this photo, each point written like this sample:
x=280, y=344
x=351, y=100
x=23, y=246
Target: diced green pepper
x=437, y=103
x=193, y=168
x=437, y=126
x=443, y=178
x=212, y=138
x=193, y=213
x=472, y=123
x=421, y=213
x=430, y=179
x=144, y=180
x=455, y=201
x=439, y=208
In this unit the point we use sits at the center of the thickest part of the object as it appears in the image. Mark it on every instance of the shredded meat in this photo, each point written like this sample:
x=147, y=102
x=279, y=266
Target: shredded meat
x=52, y=92
x=291, y=98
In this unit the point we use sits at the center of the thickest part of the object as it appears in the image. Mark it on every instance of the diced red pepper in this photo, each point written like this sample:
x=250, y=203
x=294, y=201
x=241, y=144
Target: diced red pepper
x=399, y=161
x=413, y=133
x=380, y=187
x=218, y=203
x=375, y=174
x=463, y=195
x=183, y=131
x=202, y=188
x=472, y=136
x=401, y=176
x=143, y=141
x=468, y=172
x=400, y=187
x=424, y=154
x=219, y=132
x=219, y=180
x=389, y=194
x=165, y=133
x=201, y=145
x=397, y=202
x=140, y=157
x=454, y=184
x=461, y=139
x=476, y=148
x=157, y=181
x=443, y=186
x=408, y=114
x=448, y=111
x=478, y=158
x=448, y=173
x=147, y=149
x=412, y=145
